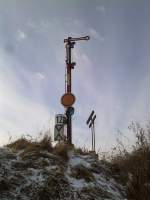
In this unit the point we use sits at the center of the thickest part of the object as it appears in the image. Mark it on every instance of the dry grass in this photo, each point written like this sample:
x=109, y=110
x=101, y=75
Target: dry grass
x=134, y=167
x=81, y=172
x=34, y=147
x=81, y=151
x=62, y=150
x=46, y=143
x=19, y=144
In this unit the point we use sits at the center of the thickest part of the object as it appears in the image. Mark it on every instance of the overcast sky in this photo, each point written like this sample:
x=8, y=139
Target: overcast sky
x=112, y=75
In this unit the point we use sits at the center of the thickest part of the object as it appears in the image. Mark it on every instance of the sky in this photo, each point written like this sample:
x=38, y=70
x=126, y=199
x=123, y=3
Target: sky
x=111, y=76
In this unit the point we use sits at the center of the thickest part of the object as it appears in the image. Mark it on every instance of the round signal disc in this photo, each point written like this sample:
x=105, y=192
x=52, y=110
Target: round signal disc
x=68, y=99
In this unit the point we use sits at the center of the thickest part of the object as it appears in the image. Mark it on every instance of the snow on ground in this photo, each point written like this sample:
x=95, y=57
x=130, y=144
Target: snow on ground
x=101, y=180
x=76, y=160
x=48, y=177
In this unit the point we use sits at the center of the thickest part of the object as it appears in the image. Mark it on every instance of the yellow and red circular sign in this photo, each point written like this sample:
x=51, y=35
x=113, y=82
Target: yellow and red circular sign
x=68, y=99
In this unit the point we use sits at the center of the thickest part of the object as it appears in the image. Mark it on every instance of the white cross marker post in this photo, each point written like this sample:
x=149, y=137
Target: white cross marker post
x=91, y=123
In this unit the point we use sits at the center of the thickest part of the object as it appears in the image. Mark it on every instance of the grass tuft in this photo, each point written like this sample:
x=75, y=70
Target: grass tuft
x=62, y=150
x=32, y=148
x=19, y=144
x=81, y=172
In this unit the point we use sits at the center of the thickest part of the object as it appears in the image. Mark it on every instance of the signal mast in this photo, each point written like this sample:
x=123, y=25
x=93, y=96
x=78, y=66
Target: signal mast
x=68, y=98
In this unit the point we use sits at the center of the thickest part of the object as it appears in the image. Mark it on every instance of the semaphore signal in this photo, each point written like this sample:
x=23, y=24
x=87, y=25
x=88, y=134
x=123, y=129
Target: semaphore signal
x=68, y=99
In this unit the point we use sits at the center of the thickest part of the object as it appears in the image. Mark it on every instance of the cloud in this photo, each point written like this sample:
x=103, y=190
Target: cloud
x=140, y=111
x=19, y=114
x=43, y=26
x=93, y=33
x=100, y=96
x=40, y=75
x=78, y=23
x=21, y=35
x=100, y=8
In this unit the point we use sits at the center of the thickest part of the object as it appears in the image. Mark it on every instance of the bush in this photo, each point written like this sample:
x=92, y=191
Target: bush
x=134, y=167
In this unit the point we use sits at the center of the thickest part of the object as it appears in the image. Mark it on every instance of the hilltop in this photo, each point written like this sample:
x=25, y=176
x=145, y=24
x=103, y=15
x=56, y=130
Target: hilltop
x=38, y=171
